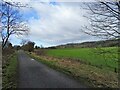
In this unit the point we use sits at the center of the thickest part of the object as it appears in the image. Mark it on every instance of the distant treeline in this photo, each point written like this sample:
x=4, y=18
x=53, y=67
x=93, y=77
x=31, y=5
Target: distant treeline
x=103, y=43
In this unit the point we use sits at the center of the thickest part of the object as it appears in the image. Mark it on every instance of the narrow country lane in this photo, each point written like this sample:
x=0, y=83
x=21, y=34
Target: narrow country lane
x=33, y=74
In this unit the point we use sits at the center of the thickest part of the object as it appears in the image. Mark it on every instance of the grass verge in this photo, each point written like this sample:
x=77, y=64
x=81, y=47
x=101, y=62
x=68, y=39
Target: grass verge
x=9, y=72
x=89, y=75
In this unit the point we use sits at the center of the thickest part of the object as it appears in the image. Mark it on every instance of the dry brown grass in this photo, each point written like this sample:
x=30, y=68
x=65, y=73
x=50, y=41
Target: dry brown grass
x=94, y=76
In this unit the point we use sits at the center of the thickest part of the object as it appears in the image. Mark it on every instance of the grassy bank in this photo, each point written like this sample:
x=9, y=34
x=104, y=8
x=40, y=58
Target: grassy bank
x=89, y=75
x=9, y=76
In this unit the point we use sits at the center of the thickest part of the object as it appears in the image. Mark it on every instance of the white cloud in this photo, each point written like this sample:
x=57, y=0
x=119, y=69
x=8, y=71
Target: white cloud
x=57, y=24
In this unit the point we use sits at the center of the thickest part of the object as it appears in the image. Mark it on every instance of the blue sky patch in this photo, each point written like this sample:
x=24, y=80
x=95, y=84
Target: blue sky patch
x=32, y=14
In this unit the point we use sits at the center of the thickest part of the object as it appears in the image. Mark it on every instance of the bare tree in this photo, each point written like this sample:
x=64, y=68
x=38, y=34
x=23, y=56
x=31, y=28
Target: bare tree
x=104, y=19
x=12, y=22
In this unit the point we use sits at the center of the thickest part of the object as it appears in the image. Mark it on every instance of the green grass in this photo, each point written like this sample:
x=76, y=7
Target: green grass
x=108, y=59
x=10, y=73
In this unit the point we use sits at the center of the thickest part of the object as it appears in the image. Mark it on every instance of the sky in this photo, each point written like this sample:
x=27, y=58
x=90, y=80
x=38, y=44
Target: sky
x=54, y=23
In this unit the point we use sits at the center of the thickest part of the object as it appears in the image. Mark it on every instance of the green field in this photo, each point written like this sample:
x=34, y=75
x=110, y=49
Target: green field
x=106, y=58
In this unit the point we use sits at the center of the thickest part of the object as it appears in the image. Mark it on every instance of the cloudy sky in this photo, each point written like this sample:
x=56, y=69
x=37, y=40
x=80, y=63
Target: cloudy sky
x=54, y=23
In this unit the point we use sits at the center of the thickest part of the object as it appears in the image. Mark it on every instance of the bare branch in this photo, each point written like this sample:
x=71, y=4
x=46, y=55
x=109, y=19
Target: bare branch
x=104, y=18
x=12, y=22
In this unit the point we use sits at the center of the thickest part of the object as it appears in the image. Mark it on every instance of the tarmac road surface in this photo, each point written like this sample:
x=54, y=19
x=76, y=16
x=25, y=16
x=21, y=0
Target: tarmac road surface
x=33, y=74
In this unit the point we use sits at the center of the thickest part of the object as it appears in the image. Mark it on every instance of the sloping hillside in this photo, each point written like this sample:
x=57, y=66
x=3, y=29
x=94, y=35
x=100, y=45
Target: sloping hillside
x=106, y=43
